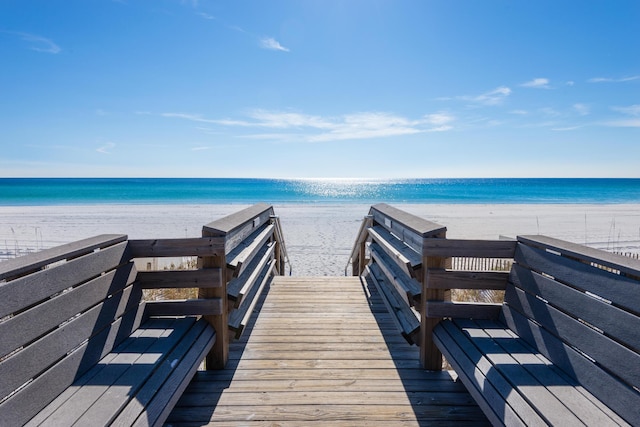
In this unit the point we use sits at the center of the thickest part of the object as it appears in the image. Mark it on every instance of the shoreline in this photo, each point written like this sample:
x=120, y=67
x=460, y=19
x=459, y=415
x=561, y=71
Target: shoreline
x=319, y=237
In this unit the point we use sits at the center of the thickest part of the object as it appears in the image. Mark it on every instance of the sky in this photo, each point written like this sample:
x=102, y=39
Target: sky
x=320, y=88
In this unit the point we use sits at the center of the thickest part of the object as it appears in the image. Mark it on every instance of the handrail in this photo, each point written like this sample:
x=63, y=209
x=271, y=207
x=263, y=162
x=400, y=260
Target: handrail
x=360, y=237
x=283, y=248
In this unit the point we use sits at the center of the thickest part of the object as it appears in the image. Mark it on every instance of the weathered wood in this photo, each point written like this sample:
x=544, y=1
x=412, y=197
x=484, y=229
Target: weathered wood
x=48, y=282
x=621, y=398
x=406, y=321
x=209, y=278
x=405, y=257
x=238, y=226
x=469, y=248
x=615, y=322
x=466, y=310
x=242, y=254
x=409, y=289
x=16, y=267
x=47, y=316
x=626, y=265
x=621, y=291
x=450, y=279
x=185, y=307
x=357, y=252
x=407, y=227
x=198, y=246
x=618, y=359
x=242, y=285
x=20, y=407
x=239, y=318
x=298, y=370
x=219, y=353
x=35, y=358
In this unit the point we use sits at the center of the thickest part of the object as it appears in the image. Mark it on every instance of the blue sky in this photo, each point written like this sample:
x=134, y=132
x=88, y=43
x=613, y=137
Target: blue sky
x=375, y=89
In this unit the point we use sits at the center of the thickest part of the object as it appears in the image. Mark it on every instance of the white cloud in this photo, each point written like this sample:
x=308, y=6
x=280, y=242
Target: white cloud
x=272, y=44
x=206, y=15
x=519, y=112
x=627, y=123
x=613, y=80
x=632, y=110
x=539, y=83
x=582, y=109
x=202, y=148
x=39, y=44
x=314, y=128
x=494, y=97
x=106, y=149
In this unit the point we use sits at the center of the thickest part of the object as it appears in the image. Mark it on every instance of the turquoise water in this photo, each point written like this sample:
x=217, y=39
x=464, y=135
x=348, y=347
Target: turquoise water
x=81, y=191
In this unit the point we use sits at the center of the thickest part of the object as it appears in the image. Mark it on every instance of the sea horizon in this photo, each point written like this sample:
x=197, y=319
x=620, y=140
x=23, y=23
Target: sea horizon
x=97, y=191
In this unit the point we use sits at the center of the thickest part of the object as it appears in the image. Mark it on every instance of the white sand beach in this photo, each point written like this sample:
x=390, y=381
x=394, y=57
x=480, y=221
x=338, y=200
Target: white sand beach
x=319, y=237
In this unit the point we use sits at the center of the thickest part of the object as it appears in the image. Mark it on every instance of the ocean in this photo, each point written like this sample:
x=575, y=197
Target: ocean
x=92, y=191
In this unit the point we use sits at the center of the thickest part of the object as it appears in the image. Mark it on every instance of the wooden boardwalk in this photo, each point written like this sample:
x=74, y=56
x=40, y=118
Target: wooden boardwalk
x=324, y=351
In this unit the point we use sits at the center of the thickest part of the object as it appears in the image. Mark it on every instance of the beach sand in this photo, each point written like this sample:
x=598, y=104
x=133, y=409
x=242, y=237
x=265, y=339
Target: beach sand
x=319, y=237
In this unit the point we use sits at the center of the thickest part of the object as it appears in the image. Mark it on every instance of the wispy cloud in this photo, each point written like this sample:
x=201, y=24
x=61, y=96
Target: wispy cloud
x=494, y=97
x=537, y=83
x=106, y=148
x=270, y=43
x=37, y=43
x=613, y=80
x=202, y=148
x=631, y=110
x=206, y=16
x=314, y=128
x=581, y=109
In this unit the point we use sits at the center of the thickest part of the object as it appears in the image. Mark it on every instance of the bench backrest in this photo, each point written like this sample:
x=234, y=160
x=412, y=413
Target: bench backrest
x=61, y=311
x=580, y=308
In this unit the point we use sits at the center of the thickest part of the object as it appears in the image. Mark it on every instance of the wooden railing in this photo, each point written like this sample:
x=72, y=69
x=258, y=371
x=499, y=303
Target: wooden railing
x=409, y=260
x=236, y=256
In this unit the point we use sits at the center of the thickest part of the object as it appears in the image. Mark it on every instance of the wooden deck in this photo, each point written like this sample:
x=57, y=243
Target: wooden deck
x=324, y=351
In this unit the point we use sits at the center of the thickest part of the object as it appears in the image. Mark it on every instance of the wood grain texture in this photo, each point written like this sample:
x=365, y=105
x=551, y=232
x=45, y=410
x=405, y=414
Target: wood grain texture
x=469, y=248
x=440, y=278
x=196, y=246
x=314, y=364
x=209, y=278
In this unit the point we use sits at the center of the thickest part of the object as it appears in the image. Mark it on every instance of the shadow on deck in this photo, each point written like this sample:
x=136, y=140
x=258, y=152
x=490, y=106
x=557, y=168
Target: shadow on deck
x=322, y=351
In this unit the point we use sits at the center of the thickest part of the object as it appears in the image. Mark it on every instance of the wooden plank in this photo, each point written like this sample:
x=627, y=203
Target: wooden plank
x=440, y=278
x=16, y=267
x=239, y=318
x=539, y=396
x=462, y=310
x=361, y=237
x=406, y=321
x=242, y=254
x=418, y=225
x=157, y=411
x=27, y=326
x=209, y=278
x=564, y=388
x=618, y=396
x=25, y=291
x=622, y=291
x=195, y=246
x=198, y=339
x=469, y=248
x=239, y=225
x=406, y=258
x=32, y=360
x=184, y=307
x=618, y=359
x=489, y=388
x=626, y=265
x=409, y=289
x=242, y=285
x=85, y=401
x=615, y=322
x=33, y=397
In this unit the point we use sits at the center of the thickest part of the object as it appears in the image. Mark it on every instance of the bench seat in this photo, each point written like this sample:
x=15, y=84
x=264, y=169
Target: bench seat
x=564, y=348
x=513, y=382
x=138, y=381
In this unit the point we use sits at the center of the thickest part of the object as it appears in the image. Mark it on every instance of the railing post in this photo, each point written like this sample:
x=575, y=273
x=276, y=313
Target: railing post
x=430, y=356
x=219, y=354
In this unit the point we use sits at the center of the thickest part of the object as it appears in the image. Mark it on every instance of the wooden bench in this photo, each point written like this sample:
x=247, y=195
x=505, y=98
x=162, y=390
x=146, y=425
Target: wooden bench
x=564, y=348
x=79, y=346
